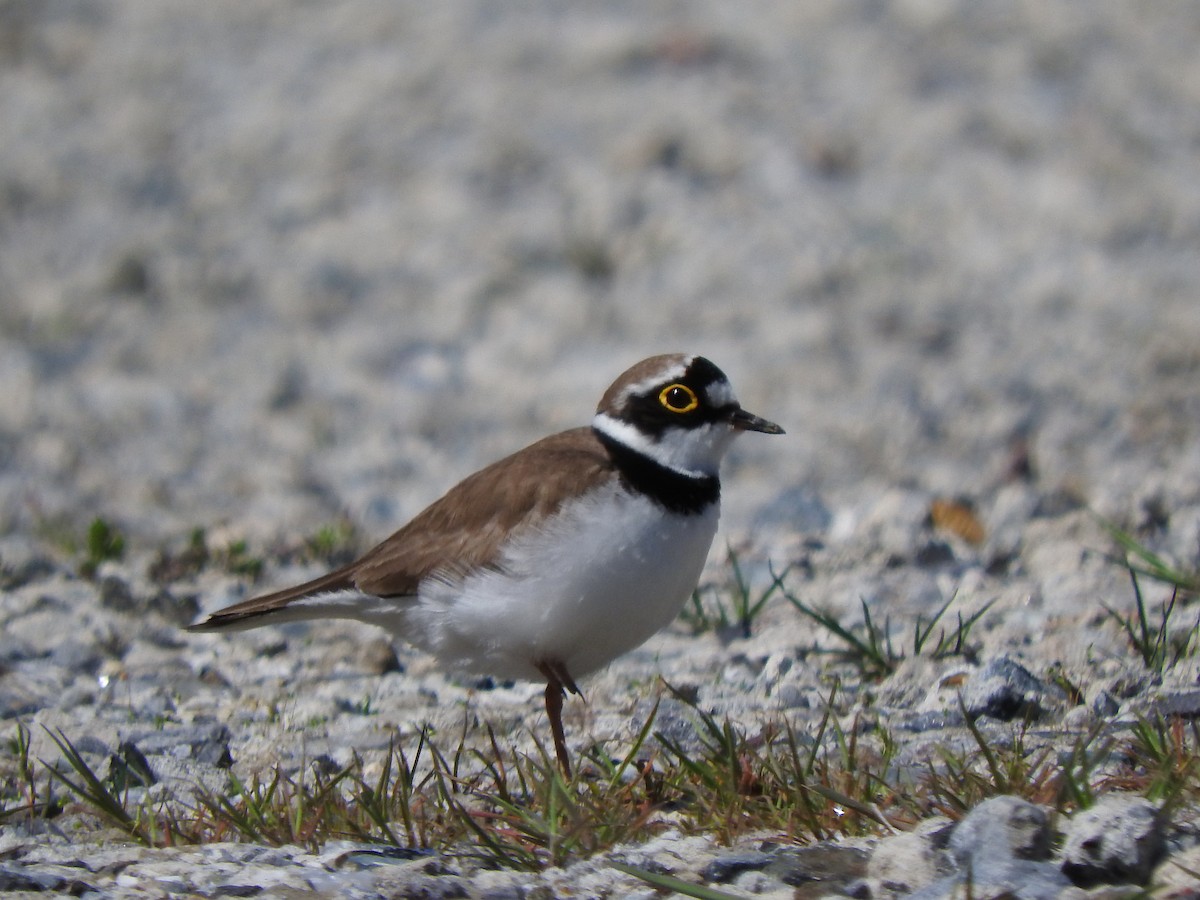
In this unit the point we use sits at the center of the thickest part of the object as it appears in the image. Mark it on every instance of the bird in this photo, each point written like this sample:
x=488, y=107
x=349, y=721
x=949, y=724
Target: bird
x=551, y=562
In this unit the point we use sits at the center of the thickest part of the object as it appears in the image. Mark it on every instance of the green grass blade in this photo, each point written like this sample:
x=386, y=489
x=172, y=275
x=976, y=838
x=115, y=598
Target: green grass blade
x=1140, y=558
x=678, y=885
x=90, y=787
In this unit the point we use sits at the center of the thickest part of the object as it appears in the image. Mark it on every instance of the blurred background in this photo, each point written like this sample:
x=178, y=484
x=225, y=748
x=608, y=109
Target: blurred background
x=267, y=264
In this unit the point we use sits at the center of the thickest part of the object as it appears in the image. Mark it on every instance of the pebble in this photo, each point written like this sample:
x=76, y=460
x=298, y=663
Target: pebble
x=204, y=743
x=827, y=866
x=904, y=862
x=1002, y=827
x=1182, y=703
x=1119, y=840
x=728, y=867
x=1003, y=689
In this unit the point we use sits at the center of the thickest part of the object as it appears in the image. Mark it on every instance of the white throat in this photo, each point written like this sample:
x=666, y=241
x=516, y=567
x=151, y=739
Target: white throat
x=694, y=452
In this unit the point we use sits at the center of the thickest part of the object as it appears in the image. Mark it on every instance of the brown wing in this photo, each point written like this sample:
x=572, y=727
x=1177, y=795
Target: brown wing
x=458, y=533
x=463, y=530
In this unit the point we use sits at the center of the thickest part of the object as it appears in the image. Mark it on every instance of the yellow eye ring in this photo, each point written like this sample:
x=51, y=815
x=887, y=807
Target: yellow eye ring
x=678, y=398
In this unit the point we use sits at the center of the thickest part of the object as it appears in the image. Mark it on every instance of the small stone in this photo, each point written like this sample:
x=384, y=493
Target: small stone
x=932, y=554
x=129, y=767
x=757, y=883
x=14, y=650
x=1003, y=689
x=505, y=892
x=1019, y=879
x=1185, y=704
x=1002, y=826
x=179, y=609
x=237, y=890
x=1105, y=705
x=129, y=275
x=933, y=720
x=912, y=860
x=115, y=594
x=89, y=744
x=378, y=657
x=18, y=570
x=725, y=868
x=446, y=887
x=203, y=743
x=1119, y=840
x=78, y=657
x=675, y=721
x=18, y=698
x=371, y=857
x=829, y=865
x=13, y=878
x=791, y=696
x=1055, y=504
x=325, y=766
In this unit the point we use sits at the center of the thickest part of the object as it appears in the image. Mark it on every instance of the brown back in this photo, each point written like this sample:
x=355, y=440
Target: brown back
x=459, y=533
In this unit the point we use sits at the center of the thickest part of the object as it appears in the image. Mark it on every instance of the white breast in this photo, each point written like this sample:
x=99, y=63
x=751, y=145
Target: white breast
x=597, y=580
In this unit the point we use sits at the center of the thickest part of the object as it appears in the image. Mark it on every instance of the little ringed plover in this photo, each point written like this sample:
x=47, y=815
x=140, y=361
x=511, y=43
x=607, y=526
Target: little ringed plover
x=553, y=561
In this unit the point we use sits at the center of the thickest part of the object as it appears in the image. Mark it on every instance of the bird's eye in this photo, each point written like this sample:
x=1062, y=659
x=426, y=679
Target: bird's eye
x=678, y=398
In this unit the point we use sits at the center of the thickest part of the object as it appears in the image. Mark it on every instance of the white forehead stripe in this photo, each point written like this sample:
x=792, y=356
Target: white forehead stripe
x=720, y=393
x=671, y=373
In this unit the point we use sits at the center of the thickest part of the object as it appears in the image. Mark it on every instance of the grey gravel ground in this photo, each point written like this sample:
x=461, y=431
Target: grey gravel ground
x=267, y=267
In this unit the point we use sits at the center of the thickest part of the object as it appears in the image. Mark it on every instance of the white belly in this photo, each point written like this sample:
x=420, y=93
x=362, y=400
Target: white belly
x=597, y=581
